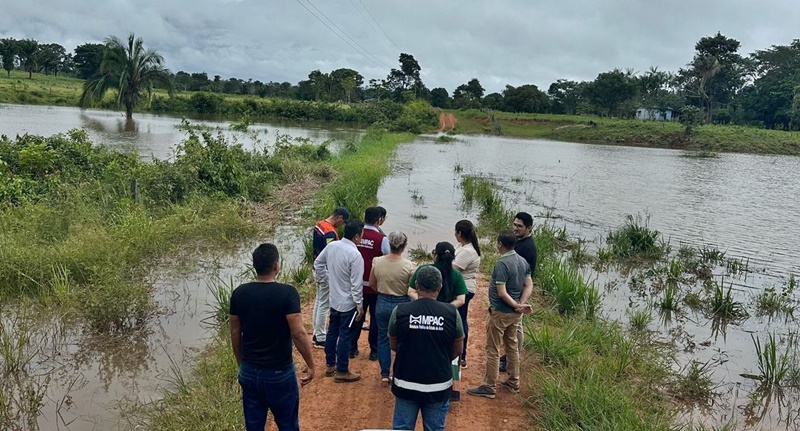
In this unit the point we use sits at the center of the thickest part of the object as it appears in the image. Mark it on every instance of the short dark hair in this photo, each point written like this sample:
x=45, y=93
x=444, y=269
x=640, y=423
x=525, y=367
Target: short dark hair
x=382, y=210
x=353, y=228
x=429, y=279
x=342, y=211
x=526, y=218
x=506, y=238
x=371, y=215
x=265, y=256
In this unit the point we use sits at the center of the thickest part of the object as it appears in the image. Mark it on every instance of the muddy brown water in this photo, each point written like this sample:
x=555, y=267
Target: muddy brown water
x=151, y=135
x=744, y=204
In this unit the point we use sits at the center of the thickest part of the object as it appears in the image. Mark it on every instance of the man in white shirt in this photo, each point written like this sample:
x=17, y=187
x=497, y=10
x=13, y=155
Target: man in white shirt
x=340, y=266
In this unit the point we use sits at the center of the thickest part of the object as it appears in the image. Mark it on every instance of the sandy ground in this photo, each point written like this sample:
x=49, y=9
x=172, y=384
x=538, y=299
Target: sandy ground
x=326, y=405
x=446, y=122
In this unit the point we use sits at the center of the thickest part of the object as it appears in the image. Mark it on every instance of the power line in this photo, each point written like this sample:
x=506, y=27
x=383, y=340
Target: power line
x=379, y=25
x=343, y=36
x=346, y=35
x=371, y=24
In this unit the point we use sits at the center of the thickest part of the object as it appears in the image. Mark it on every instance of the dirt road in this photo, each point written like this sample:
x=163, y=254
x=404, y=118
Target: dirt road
x=329, y=406
x=447, y=122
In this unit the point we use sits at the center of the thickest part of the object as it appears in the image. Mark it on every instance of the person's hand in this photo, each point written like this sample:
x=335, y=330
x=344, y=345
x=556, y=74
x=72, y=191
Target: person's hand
x=523, y=309
x=360, y=313
x=307, y=376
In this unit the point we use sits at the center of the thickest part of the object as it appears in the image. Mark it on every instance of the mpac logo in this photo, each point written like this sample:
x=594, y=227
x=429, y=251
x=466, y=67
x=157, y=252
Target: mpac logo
x=426, y=322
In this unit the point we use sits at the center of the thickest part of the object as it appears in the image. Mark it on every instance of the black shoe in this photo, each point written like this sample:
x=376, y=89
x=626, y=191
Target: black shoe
x=373, y=356
x=317, y=344
x=353, y=354
x=455, y=395
x=503, y=364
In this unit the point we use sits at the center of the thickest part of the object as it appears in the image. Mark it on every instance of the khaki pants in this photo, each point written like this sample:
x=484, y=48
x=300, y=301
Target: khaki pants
x=502, y=330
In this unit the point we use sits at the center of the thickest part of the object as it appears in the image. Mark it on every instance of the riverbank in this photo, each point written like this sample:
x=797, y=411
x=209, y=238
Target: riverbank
x=609, y=131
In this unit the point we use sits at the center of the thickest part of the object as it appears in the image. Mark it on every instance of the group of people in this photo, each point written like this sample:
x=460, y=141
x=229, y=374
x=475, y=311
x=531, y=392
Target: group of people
x=419, y=313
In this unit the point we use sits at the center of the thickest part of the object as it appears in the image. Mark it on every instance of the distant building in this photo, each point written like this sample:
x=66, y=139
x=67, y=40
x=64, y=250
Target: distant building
x=654, y=114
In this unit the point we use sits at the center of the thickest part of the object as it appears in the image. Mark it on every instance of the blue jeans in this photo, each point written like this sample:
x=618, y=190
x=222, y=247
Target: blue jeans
x=267, y=390
x=433, y=414
x=339, y=339
x=383, y=311
x=463, y=310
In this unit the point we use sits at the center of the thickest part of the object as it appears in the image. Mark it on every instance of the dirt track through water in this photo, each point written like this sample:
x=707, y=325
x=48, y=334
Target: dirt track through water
x=326, y=405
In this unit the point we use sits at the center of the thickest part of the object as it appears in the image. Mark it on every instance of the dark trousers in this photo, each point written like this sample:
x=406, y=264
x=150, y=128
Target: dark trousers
x=463, y=312
x=267, y=390
x=339, y=339
x=370, y=301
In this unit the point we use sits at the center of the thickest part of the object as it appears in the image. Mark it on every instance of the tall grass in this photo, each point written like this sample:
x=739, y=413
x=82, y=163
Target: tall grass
x=567, y=288
x=210, y=399
x=723, y=305
x=635, y=240
x=482, y=192
x=773, y=366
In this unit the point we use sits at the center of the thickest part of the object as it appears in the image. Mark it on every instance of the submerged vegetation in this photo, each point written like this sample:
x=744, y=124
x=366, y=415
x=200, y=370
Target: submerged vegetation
x=81, y=224
x=635, y=240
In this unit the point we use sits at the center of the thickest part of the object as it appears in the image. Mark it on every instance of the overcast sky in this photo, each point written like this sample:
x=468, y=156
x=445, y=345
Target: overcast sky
x=498, y=41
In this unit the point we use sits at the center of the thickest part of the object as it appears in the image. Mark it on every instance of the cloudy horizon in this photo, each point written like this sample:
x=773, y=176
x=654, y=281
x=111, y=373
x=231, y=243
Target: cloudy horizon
x=510, y=42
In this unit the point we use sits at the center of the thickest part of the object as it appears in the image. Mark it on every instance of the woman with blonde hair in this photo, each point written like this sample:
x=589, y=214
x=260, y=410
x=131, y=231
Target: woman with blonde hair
x=390, y=276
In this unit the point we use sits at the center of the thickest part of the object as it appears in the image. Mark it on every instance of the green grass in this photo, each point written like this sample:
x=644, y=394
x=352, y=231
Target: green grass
x=482, y=192
x=773, y=366
x=209, y=398
x=722, y=304
x=592, y=129
x=670, y=299
x=595, y=378
x=71, y=235
x=694, y=385
x=567, y=288
x=635, y=240
x=639, y=319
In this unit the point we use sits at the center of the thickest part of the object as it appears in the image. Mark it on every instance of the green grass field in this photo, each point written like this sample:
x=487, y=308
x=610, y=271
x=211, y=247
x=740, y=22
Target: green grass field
x=590, y=129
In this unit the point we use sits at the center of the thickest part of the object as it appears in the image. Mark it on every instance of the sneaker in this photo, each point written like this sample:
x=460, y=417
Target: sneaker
x=373, y=356
x=353, y=354
x=503, y=364
x=330, y=370
x=463, y=364
x=346, y=377
x=317, y=344
x=483, y=391
x=386, y=382
x=506, y=384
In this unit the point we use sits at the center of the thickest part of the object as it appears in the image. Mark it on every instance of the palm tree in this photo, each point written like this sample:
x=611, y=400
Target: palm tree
x=130, y=69
x=8, y=51
x=27, y=50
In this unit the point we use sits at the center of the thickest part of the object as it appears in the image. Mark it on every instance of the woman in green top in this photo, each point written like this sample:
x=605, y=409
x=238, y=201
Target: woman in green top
x=454, y=290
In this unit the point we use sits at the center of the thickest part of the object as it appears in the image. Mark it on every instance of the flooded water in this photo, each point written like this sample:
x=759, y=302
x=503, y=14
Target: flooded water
x=747, y=205
x=150, y=135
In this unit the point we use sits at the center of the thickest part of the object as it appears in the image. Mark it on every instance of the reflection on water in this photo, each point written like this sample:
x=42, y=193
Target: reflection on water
x=744, y=204
x=151, y=135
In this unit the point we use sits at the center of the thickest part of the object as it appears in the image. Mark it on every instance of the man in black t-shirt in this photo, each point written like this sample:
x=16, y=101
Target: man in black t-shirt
x=265, y=319
x=426, y=335
x=525, y=247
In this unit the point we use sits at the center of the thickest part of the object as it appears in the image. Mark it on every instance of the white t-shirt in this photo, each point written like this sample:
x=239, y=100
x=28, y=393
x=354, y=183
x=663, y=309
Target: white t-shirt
x=468, y=261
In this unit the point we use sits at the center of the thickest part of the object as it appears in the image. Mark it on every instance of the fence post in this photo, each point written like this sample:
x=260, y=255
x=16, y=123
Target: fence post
x=135, y=190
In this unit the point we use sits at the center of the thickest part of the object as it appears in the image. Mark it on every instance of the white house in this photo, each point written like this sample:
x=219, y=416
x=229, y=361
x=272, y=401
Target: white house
x=654, y=114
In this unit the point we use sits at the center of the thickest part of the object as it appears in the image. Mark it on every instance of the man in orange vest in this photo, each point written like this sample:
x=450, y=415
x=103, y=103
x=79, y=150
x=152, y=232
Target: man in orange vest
x=324, y=233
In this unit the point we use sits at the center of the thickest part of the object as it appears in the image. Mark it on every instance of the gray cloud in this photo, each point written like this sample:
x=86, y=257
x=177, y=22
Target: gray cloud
x=500, y=42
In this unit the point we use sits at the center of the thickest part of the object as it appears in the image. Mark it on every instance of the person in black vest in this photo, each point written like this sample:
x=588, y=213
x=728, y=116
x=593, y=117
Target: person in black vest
x=426, y=335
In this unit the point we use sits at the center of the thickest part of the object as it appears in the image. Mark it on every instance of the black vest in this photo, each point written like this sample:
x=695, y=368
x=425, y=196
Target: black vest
x=425, y=331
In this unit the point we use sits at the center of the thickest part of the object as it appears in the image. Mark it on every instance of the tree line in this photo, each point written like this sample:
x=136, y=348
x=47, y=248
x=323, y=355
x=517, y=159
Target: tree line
x=761, y=88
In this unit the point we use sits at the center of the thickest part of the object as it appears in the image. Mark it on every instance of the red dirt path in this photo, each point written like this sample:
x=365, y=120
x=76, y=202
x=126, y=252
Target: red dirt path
x=447, y=122
x=329, y=406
